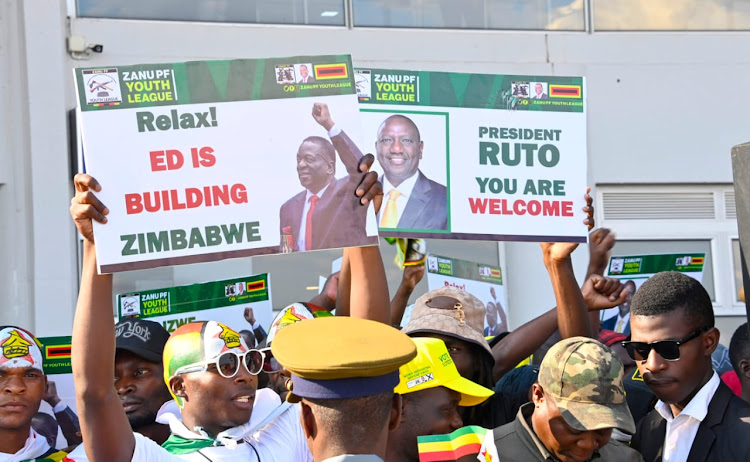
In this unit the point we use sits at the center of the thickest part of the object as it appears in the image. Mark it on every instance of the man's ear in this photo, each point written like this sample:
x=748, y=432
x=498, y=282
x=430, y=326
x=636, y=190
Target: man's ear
x=177, y=387
x=711, y=340
x=537, y=394
x=745, y=368
x=307, y=419
x=397, y=409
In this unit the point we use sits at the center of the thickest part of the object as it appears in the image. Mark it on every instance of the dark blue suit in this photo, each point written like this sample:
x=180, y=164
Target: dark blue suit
x=338, y=219
x=611, y=323
x=427, y=207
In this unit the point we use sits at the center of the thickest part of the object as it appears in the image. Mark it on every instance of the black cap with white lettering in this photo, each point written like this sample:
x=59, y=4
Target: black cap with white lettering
x=140, y=337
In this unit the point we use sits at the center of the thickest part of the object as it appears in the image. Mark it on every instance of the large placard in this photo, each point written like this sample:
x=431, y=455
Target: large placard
x=475, y=156
x=207, y=160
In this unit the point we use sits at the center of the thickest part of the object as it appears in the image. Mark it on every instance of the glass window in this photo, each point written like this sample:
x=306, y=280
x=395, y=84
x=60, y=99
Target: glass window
x=319, y=12
x=471, y=14
x=739, y=286
x=624, y=248
x=671, y=15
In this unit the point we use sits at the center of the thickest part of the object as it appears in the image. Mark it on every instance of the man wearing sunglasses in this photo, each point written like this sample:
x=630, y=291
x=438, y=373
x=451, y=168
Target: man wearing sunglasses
x=697, y=417
x=208, y=368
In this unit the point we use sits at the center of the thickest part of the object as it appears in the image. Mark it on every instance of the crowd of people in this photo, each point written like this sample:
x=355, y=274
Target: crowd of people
x=351, y=386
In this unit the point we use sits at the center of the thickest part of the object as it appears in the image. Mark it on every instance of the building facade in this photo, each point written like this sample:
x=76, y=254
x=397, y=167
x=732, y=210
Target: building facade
x=665, y=104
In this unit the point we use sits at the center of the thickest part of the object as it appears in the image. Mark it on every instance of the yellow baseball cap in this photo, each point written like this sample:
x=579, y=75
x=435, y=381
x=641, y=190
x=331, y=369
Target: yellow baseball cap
x=434, y=367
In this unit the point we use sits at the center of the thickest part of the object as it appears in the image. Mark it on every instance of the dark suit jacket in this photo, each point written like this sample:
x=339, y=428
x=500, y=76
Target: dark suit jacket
x=427, y=206
x=724, y=435
x=338, y=220
x=611, y=323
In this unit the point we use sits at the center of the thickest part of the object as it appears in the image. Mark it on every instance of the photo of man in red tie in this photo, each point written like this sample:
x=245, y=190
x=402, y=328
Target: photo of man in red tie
x=326, y=214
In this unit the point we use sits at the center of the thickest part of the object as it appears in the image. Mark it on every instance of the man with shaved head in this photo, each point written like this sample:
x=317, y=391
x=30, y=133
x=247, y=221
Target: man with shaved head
x=411, y=199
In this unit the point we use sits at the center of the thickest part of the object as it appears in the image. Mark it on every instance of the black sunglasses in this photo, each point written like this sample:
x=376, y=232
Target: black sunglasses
x=667, y=349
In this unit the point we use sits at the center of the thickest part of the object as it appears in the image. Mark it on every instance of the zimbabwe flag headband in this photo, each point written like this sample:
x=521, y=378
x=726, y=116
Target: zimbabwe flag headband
x=198, y=342
x=18, y=348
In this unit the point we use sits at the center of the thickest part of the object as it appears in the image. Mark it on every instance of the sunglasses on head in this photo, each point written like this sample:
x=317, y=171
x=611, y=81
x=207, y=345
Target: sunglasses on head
x=228, y=364
x=667, y=349
x=270, y=364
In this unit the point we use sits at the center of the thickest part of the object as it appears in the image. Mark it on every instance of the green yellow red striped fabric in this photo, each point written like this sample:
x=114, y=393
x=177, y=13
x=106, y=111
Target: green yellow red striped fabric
x=198, y=341
x=466, y=443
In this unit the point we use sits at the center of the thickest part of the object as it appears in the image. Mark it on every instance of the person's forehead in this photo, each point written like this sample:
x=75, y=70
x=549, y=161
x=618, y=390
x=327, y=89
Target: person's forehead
x=19, y=370
x=667, y=326
x=308, y=148
x=436, y=396
x=449, y=341
x=124, y=358
x=398, y=125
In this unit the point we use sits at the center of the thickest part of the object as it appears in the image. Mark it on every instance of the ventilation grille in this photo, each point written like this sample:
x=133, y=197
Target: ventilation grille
x=730, y=205
x=658, y=205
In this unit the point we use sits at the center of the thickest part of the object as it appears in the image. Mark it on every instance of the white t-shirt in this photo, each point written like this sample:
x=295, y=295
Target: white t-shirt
x=36, y=446
x=281, y=440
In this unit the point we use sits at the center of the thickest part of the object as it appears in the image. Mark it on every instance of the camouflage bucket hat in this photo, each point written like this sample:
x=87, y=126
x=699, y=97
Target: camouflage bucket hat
x=450, y=311
x=584, y=378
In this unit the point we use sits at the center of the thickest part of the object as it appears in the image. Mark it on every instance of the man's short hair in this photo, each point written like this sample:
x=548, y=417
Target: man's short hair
x=669, y=291
x=326, y=148
x=739, y=347
x=405, y=119
x=351, y=419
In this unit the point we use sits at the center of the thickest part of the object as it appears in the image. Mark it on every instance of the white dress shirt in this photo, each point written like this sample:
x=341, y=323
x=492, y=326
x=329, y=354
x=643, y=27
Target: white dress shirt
x=405, y=188
x=681, y=430
x=303, y=223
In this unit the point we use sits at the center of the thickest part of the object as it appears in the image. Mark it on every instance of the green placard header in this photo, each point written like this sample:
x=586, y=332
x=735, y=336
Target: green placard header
x=480, y=91
x=463, y=269
x=635, y=265
x=195, y=297
x=169, y=84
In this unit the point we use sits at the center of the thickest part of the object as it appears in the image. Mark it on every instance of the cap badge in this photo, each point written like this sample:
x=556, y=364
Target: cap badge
x=460, y=313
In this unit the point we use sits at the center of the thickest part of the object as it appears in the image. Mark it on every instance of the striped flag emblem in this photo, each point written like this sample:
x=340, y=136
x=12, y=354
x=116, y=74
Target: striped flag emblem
x=57, y=351
x=564, y=91
x=495, y=273
x=331, y=71
x=256, y=286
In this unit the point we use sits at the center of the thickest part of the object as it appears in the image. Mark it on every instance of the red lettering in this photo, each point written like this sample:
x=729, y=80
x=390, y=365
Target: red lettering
x=193, y=197
x=188, y=198
x=551, y=208
x=157, y=161
x=495, y=206
x=567, y=208
x=152, y=206
x=519, y=207
x=207, y=157
x=477, y=205
x=133, y=203
x=171, y=159
x=534, y=208
x=176, y=204
x=174, y=159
